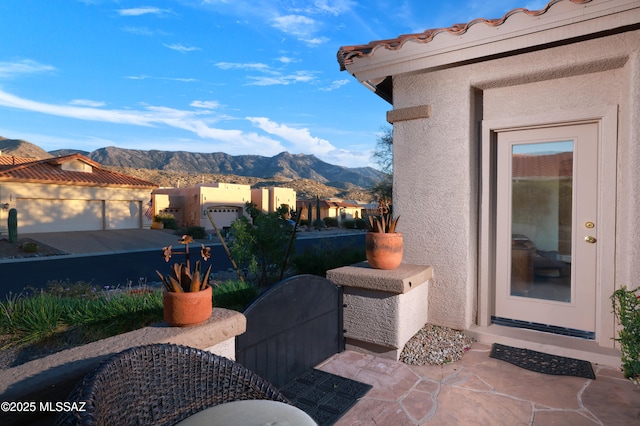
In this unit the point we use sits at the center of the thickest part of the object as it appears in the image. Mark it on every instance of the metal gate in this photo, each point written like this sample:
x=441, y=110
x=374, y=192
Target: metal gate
x=291, y=328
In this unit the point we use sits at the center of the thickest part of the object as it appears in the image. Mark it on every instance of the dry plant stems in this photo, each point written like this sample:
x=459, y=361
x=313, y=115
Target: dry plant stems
x=181, y=278
x=383, y=223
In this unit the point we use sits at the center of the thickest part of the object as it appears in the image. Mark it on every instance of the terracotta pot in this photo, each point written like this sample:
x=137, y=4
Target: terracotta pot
x=384, y=250
x=190, y=308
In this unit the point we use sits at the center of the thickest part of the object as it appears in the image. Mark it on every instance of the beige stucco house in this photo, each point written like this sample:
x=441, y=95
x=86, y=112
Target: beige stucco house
x=224, y=201
x=517, y=168
x=70, y=193
x=332, y=207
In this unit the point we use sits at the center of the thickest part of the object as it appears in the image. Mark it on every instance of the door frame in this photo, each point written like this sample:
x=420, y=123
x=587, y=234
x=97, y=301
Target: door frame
x=606, y=117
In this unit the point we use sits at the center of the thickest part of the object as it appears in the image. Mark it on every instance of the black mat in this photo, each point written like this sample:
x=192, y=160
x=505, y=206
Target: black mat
x=543, y=363
x=324, y=396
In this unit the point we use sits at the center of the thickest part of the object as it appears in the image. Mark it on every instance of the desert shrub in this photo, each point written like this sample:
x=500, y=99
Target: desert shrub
x=30, y=247
x=260, y=244
x=626, y=307
x=236, y=295
x=167, y=219
x=331, y=222
x=324, y=256
x=197, y=232
x=361, y=224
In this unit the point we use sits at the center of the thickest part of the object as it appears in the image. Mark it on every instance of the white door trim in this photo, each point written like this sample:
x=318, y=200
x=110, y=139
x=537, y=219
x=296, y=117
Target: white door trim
x=607, y=119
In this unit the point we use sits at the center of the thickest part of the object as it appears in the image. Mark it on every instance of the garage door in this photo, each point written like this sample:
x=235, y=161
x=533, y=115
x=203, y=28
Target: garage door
x=123, y=214
x=224, y=215
x=59, y=215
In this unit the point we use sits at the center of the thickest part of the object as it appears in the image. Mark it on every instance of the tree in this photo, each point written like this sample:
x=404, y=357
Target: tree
x=260, y=244
x=383, y=156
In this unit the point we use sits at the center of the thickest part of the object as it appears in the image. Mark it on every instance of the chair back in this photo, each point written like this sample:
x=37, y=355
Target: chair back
x=161, y=384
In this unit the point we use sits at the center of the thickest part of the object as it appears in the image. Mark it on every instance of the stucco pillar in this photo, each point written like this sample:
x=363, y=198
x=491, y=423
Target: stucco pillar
x=628, y=233
x=434, y=191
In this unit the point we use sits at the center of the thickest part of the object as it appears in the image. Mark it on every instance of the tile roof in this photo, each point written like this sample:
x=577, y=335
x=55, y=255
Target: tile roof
x=347, y=53
x=11, y=160
x=16, y=169
x=543, y=166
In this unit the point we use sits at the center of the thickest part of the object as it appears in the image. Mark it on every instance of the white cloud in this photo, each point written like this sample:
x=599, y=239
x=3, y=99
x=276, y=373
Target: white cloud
x=181, y=48
x=287, y=60
x=248, y=66
x=300, y=140
x=297, y=25
x=25, y=66
x=336, y=84
x=142, y=11
x=87, y=103
x=205, y=104
x=150, y=116
x=144, y=77
x=281, y=79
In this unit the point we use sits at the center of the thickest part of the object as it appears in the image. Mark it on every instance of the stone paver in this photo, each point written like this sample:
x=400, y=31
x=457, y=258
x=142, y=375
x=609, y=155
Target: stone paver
x=481, y=390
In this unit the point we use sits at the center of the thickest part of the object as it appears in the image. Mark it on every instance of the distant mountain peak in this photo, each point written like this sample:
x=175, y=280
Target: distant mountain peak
x=283, y=166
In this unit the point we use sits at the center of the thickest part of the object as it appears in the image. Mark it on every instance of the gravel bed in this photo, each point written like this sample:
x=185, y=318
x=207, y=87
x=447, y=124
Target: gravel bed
x=434, y=345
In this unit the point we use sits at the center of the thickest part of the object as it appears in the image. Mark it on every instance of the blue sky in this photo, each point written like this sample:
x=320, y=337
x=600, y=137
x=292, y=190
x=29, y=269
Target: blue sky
x=235, y=76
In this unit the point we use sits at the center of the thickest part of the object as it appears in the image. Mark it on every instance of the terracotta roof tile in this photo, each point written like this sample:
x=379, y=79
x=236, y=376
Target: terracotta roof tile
x=347, y=53
x=11, y=160
x=49, y=171
x=543, y=166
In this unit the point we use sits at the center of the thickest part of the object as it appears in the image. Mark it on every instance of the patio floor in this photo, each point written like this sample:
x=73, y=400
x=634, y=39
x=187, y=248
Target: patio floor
x=482, y=390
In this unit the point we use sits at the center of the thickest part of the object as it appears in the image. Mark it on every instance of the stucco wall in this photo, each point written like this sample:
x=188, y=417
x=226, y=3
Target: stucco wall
x=51, y=208
x=436, y=181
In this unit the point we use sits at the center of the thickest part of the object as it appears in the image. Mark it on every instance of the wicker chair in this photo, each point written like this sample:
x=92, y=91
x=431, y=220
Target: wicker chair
x=162, y=384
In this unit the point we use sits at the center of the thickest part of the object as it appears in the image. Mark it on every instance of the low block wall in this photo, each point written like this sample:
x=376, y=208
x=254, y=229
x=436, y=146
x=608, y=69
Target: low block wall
x=53, y=377
x=382, y=309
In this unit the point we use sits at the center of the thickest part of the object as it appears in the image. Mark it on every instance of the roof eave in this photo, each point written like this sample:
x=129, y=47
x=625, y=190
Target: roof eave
x=561, y=22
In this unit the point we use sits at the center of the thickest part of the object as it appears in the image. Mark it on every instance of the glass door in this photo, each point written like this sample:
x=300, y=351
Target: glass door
x=546, y=228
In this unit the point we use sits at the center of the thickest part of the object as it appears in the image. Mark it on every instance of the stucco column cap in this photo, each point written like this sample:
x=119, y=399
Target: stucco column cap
x=398, y=281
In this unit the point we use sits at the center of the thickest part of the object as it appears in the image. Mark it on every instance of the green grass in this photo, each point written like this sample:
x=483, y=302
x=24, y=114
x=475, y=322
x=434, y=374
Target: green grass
x=70, y=314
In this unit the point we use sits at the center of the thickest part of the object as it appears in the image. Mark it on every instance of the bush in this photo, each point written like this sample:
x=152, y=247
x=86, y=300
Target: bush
x=626, y=307
x=236, y=295
x=331, y=222
x=361, y=224
x=261, y=244
x=168, y=221
x=197, y=232
x=30, y=247
x=322, y=257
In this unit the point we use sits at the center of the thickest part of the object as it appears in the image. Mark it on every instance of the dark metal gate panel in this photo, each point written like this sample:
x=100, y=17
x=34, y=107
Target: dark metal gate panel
x=292, y=327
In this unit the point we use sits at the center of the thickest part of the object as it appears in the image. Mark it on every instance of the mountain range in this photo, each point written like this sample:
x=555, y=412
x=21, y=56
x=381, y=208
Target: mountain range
x=186, y=166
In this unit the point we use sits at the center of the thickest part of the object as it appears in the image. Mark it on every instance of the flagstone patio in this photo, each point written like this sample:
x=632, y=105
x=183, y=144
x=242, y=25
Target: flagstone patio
x=482, y=390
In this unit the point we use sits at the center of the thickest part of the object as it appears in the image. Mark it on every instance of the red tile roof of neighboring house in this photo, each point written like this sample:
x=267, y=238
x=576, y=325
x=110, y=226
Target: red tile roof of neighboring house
x=11, y=160
x=543, y=166
x=15, y=169
x=347, y=53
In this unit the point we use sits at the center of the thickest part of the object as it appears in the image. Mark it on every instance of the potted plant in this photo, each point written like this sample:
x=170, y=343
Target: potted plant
x=187, y=295
x=383, y=244
x=157, y=222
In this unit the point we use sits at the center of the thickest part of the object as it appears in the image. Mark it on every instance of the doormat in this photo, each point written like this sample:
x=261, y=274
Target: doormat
x=324, y=396
x=543, y=363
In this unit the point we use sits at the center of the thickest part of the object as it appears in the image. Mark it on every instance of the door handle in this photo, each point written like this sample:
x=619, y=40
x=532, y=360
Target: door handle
x=590, y=239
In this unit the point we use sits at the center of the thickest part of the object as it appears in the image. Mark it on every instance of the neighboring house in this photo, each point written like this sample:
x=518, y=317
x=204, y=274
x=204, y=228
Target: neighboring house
x=70, y=193
x=271, y=198
x=225, y=201
x=332, y=207
x=480, y=107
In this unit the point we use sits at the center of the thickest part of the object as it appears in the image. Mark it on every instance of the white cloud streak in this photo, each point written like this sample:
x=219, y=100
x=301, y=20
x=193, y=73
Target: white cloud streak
x=87, y=103
x=142, y=11
x=25, y=66
x=181, y=48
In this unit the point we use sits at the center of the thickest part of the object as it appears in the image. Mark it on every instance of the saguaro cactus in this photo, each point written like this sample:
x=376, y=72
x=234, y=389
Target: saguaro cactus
x=12, y=223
